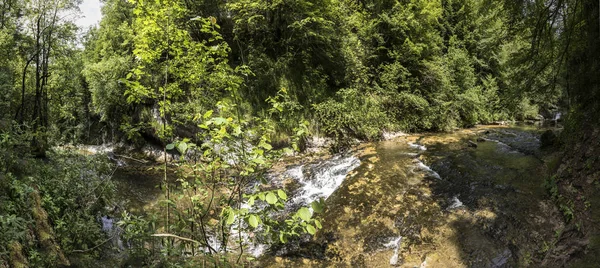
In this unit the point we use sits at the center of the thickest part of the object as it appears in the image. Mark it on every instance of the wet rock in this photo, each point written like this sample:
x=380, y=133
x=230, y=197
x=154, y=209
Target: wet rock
x=316, y=143
x=539, y=117
x=392, y=135
x=480, y=139
x=472, y=144
x=502, y=259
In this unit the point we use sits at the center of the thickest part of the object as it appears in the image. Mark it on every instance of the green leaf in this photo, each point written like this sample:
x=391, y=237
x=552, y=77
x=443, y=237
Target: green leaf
x=304, y=214
x=253, y=221
x=271, y=198
x=282, y=238
x=317, y=206
x=310, y=229
x=259, y=160
x=237, y=130
x=282, y=194
x=170, y=146
x=318, y=224
x=182, y=147
x=208, y=114
x=230, y=218
x=266, y=146
x=288, y=151
x=223, y=131
x=251, y=201
x=219, y=120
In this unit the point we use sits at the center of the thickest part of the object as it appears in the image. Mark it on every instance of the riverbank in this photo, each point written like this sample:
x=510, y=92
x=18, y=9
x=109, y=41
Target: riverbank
x=470, y=198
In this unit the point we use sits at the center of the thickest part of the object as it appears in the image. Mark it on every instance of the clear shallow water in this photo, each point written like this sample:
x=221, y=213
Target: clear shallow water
x=434, y=201
x=416, y=200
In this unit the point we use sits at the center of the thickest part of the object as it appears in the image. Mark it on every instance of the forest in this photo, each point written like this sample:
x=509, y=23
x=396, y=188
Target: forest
x=211, y=98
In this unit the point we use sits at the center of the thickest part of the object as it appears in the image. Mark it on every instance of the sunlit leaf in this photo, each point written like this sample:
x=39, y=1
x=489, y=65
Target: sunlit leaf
x=318, y=224
x=271, y=198
x=230, y=218
x=304, y=214
x=253, y=221
x=282, y=238
x=317, y=206
x=182, y=147
x=282, y=194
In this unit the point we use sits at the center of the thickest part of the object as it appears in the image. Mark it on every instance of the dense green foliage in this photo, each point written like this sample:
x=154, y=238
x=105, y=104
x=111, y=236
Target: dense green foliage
x=50, y=208
x=253, y=73
x=411, y=65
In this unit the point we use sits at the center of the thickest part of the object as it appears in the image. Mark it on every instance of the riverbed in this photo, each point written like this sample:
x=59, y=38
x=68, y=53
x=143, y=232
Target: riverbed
x=472, y=198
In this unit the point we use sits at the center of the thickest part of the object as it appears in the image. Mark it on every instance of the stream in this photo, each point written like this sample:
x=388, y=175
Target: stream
x=472, y=198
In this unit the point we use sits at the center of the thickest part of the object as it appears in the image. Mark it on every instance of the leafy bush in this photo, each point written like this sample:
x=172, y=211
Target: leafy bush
x=50, y=207
x=352, y=114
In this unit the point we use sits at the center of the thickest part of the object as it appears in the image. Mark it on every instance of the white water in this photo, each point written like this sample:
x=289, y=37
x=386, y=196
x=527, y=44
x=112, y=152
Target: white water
x=456, y=203
x=431, y=172
x=327, y=177
x=395, y=243
x=417, y=146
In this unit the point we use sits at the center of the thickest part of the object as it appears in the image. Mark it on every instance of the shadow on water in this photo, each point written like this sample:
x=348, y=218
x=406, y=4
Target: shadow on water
x=505, y=218
x=473, y=198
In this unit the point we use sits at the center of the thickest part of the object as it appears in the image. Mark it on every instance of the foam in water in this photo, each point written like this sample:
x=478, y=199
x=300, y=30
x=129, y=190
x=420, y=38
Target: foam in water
x=96, y=149
x=395, y=244
x=431, y=172
x=456, y=203
x=295, y=172
x=417, y=146
x=327, y=177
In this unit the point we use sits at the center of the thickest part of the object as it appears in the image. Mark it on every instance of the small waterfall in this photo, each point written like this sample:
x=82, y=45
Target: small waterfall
x=557, y=116
x=426, y=168
x=455, y=203
x=326, y=177
x=316, y=181
x=396, y=244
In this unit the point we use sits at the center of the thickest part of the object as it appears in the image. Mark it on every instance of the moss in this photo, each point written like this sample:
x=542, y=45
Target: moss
x=44, y=231
x=17, y=259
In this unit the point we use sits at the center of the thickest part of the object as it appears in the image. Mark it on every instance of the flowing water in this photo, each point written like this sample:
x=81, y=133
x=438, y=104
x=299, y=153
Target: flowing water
x=473, y=198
